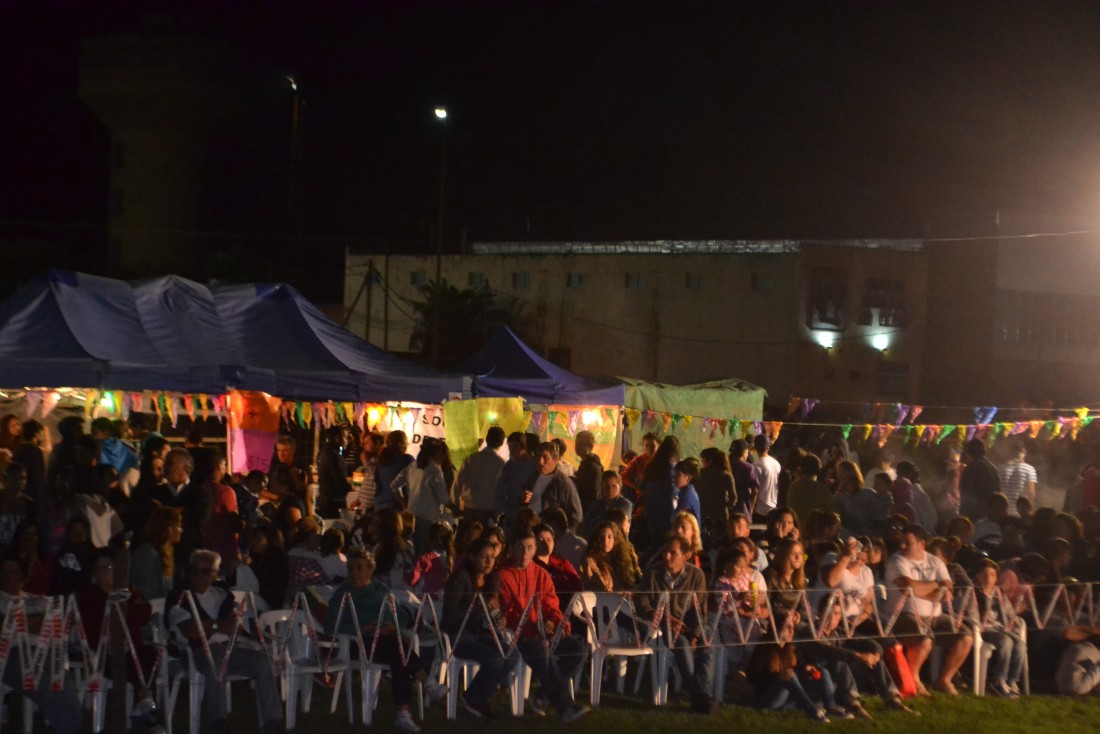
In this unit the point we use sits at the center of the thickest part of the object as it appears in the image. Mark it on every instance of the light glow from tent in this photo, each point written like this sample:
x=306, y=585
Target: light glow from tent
x=590, y=418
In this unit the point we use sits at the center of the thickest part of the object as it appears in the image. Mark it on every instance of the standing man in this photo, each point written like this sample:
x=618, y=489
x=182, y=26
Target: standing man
x=632, y=476
x=520, y=465
x=687, y=613
x=1018, y=478
x=922, y=622
x=745, y=478
x=477, y=480
x=768, y=470
x=979, y=480
x=332, y=478
x=590, y=470
x=179, y=491
x=807, y=493
x=549, y=487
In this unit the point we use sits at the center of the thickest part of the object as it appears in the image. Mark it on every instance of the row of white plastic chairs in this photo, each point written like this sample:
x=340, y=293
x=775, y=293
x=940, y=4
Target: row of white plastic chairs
x=299, y=651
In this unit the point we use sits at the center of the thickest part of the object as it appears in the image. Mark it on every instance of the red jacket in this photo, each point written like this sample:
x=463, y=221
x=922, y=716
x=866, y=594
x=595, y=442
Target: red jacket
x=517, y=585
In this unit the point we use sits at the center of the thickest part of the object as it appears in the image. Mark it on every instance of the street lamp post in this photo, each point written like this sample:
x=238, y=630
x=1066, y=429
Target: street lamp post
x=441, y=116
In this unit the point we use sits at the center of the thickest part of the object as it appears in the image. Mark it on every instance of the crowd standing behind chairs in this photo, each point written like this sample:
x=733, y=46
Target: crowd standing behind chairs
x=770, y=576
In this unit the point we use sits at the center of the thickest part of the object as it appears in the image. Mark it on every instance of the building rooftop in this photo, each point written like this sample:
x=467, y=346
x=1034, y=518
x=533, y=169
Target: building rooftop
x=668, y=247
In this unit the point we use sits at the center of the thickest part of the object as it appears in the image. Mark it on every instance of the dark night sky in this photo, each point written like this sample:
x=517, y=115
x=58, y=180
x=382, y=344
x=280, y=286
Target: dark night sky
x=613, y=120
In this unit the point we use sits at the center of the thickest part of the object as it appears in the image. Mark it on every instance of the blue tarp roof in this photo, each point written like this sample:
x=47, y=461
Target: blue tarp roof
x=506, y=367
x=169, y=333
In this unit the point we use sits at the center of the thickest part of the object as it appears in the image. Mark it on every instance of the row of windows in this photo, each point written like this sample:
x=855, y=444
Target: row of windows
x=521, y=280
x=1027, y=317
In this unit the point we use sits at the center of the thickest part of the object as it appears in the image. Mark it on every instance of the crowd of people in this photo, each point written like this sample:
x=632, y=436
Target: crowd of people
x=774, y=555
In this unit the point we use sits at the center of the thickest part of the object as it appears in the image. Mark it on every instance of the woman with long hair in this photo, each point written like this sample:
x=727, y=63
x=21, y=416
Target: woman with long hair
x=153, y=569
x=786, y=576
x=610, y=563
x=659, y=489
x=482, y=632
x=686, y=526
x=392, y=459
x=393, y=555
x=717, y=492
x=423, y=484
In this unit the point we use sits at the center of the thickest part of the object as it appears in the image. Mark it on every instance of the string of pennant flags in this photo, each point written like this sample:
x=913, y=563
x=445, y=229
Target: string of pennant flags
x=902, y=426
x=171, y=406
x=879, y=422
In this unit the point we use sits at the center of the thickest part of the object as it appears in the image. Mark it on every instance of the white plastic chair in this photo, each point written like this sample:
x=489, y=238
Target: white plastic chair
x=455, y=672
x=612, y=641
x=303, y=660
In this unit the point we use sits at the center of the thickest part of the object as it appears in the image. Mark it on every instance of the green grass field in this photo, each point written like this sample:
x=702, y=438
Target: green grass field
x=1035, y=715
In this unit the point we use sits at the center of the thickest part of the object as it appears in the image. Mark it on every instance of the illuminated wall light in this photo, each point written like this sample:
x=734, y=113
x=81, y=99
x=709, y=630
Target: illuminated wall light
x=826, y=339
x=881, y=342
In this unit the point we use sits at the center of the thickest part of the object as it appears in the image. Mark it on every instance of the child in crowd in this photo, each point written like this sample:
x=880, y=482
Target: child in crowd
x=1006, y=665
x=430, y=572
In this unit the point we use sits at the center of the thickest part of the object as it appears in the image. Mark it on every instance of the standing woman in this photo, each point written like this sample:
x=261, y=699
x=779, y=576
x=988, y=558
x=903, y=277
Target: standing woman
x=393, y=555
x=422, y=482
x=716, y=490
x=391, y=461
x=659, y=489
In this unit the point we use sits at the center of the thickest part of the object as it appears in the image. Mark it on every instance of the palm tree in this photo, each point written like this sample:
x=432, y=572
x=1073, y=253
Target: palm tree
x=467, y=317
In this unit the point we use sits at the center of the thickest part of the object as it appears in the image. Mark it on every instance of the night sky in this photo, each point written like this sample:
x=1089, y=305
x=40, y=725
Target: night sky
x=600, y=120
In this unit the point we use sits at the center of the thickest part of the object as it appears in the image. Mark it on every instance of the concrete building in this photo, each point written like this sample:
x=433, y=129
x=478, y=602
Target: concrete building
x=835, y=320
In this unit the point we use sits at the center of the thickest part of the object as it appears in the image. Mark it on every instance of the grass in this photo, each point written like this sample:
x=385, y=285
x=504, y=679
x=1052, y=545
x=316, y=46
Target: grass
x=967, y=714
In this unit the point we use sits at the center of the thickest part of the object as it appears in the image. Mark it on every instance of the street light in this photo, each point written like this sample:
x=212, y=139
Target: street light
x=441, y=113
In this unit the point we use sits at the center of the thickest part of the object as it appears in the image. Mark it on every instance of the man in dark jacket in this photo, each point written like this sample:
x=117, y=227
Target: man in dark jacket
x=686, y=618
x=549, y=487
x=979, y=480
x=590, y=468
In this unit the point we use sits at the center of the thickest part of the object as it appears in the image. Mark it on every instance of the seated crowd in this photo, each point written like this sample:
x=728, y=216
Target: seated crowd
x=800, y=584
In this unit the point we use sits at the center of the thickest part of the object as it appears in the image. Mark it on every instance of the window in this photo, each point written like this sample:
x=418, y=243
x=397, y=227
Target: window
x=521, y=281
x=892, y=380
x=693, y=281
x=478, y=280
x=418, y=278
x=574, y=280
x=635, y=281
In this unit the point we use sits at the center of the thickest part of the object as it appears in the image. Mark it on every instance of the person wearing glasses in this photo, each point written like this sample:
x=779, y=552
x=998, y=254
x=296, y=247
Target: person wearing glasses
x=217, y=618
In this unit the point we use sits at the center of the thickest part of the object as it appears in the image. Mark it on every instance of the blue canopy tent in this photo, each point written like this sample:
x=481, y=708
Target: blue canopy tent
x=172, y=334
x=506, y=367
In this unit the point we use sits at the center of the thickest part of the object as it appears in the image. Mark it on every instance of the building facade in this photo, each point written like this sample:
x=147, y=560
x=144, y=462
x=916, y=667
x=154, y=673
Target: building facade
x=835, y=320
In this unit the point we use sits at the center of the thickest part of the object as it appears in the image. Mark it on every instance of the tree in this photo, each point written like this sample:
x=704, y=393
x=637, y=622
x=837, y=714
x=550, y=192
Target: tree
x=467, y=317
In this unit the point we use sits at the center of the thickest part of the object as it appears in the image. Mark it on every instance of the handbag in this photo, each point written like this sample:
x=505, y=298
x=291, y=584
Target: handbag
x=898, y=665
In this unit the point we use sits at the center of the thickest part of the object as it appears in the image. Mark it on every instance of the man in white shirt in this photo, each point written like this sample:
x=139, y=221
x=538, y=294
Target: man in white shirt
x=477, y=481
x=768, y=470
x=1018, y=478
x=919, y=582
